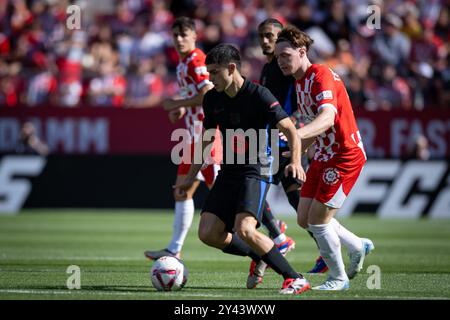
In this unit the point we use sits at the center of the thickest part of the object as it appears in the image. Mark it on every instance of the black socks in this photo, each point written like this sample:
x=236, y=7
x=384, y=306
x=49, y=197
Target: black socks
x=279, y=264
x=238, y=247
x=270, y=222
x=273, y=258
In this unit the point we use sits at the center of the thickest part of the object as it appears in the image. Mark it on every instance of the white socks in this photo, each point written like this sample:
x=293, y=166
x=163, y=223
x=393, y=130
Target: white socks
x=348, y=239
x=330, y=249
x=184, y=213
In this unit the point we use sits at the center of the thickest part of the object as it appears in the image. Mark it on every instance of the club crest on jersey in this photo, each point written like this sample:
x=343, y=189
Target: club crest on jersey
x=327, y=94
x=331, y=176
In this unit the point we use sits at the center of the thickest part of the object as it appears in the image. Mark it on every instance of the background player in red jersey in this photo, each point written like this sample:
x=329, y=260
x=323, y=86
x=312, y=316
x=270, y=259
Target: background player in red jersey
x=339, y=158
x=193, y=81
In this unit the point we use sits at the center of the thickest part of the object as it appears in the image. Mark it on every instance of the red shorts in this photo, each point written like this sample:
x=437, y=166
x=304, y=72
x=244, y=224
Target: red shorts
x=330, y=182
x=207, y=174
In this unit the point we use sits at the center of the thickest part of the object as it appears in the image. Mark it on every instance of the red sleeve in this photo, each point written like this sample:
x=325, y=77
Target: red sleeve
x=197, y=71
x=324, y=89
x=156, y=86
x=120, y=85
x=53, y=85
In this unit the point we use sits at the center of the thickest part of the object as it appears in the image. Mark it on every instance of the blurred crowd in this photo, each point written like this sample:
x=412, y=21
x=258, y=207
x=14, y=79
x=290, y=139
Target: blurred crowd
x=123, y=54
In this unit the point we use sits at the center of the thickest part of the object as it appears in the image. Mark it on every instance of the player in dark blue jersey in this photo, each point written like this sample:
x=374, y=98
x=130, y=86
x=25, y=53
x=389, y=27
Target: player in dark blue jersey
x=283, y=88
x=242, y=110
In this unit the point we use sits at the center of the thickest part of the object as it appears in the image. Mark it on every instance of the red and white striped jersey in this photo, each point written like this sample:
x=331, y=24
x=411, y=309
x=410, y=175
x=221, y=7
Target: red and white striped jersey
x=192, y=77
x=320, y=88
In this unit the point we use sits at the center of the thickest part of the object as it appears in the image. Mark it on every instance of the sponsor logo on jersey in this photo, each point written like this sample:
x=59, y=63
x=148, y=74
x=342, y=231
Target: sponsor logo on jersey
x=327, y=94
x=201, y=70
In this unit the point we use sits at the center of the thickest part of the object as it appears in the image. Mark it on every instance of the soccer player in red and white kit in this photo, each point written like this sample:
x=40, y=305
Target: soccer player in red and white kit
x=339, y=158
x=193, y=80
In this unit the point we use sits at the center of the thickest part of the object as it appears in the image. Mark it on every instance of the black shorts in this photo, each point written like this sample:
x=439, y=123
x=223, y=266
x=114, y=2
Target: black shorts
x=230, y=196
x=288, y=181
x=280, y=177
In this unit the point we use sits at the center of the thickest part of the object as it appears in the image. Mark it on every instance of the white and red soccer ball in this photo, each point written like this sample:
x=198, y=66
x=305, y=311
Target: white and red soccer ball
x=168, y=274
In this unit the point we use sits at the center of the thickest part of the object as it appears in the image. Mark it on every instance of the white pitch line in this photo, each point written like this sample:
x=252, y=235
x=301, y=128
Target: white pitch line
x=93, y=292
x=106, y=258
x=77, y=258
x=66, y=292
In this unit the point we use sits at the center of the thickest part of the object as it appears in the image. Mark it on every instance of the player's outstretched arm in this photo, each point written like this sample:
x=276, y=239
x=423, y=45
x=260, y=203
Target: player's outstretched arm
x=306, y=143
x=319, y=125
x=172, y=104
x=295, y=168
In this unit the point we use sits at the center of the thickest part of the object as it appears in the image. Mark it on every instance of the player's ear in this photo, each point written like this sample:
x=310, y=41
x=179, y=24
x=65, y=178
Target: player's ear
x=302, y=52
x=231, y=68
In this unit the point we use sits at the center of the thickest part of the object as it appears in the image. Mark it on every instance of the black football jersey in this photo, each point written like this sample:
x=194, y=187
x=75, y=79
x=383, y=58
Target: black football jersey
x=244, y=122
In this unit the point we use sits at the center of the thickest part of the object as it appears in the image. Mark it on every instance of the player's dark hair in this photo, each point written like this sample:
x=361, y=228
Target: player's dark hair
x=184, y=23
x=223, y=54
x=270, y=21
x=295, y=37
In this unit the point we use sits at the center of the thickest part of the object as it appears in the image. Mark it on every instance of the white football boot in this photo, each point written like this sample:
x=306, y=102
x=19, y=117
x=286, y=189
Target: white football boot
x=357, y=258
x=333, y=285
x=155, y=255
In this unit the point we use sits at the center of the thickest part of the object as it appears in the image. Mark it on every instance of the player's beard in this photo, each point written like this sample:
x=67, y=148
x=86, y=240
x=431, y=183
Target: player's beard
x=268, y=52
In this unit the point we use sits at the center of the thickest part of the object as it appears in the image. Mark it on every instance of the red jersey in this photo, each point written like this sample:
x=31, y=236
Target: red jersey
x=320, y=87
x=192, y=76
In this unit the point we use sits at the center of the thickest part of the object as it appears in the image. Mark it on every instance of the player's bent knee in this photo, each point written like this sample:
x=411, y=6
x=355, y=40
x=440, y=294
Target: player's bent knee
x=245, y=232
x=205, y=235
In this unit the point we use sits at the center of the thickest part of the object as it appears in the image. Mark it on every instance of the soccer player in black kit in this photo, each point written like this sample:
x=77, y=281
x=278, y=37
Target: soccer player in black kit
x=283, y=88
x=233, y=210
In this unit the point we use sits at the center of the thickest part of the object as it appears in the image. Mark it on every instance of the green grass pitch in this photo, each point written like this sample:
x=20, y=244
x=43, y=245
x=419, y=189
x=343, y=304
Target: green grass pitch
x=37, y=246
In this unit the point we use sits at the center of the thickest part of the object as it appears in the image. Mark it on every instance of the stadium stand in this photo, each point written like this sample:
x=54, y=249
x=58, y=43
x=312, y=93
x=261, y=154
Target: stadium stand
x=123, y=54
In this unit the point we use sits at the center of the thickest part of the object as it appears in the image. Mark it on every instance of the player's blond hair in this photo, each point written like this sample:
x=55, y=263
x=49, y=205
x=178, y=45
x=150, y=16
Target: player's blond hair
x=295, y=37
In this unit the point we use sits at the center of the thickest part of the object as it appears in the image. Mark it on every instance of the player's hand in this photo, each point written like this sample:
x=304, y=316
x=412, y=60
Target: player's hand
x=169, y=104
x=183, y=186
x=295, y=171
x=282, y=136
x=176, y=114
